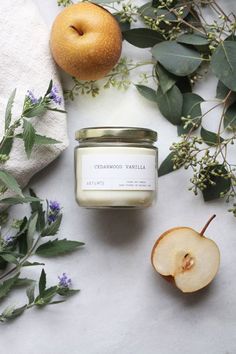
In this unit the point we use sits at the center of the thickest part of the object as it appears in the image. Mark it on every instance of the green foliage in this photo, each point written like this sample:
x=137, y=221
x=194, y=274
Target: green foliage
x=147, y=92
x=16, y=251
x=8, y=114
x=223, y=63
x=177, y=58
x=53, y=228
x=210, y=138
x=6, y=286
x=10, y=182
x=191, y=113
x=32, y=107
x=57, y=247
x=142, y=37
x=218, y=182
x=167, y=165
x=184, y=47
x=230, y=117
x=166, y=80
x=42, y=282
x=192, y=39
x=170, y=104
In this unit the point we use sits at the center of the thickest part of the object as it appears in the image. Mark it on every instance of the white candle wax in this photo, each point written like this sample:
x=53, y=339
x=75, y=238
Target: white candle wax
x=115, y=176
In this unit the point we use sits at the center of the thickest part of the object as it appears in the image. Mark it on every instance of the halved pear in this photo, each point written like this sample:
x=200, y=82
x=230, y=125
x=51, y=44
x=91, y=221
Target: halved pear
x=191, y=259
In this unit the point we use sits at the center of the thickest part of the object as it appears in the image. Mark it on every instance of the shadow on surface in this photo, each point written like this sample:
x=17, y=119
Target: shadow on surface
x=118, y=227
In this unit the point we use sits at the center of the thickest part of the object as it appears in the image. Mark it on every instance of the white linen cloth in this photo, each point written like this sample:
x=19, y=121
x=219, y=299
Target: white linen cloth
x=26, y=63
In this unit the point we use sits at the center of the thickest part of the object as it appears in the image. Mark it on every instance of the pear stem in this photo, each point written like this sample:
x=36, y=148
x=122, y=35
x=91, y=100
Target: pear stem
x=207, y=224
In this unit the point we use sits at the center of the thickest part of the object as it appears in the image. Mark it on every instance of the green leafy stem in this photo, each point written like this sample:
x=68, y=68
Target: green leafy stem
x=27, y=241
x=32, y=107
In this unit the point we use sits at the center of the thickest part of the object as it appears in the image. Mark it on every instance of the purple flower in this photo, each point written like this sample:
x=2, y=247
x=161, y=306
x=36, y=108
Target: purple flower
x=54, y=95
x=54, y=206
x=52, y=218
x=8, y=239
x=54, y=210
x=31, y=97
x=64, y=281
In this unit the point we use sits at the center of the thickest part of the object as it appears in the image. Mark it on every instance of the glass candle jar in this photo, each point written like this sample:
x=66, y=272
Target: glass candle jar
x=116, y=167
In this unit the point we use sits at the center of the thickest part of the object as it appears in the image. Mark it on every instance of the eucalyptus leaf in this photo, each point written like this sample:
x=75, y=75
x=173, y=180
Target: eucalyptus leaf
x=124, y=26
x=57, y=247
x=231, y=37
x=221, y=183
x=53, y=228
x=147, y=92
x=10, y=182
x=28, y=137
x=221, y=90
x=192, y=109
x=8, y=112
x=147, y=10
x=166, y=80
x=210, y=138
x=223, y=63
x=230, y=117
x=184, y=84
x=193, y=39
x=143, y=37
x=42, y=282
x=177, y=58
x=167, y=165
x=170, y=104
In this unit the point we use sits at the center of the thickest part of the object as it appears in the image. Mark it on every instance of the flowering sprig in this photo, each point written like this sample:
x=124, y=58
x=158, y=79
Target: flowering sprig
x=54, y=210
x=29, y=240
x=32, y=107
x=64, y=281
x=119, y=78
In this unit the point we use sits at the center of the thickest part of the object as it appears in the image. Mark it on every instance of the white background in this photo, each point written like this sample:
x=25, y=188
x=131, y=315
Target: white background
x=124, y=307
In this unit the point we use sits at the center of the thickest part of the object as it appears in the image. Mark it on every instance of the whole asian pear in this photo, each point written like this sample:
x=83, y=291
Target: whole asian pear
x=86, y=41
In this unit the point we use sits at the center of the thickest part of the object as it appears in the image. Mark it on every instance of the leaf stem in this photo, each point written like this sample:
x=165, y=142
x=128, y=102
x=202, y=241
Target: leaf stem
x=207, y=224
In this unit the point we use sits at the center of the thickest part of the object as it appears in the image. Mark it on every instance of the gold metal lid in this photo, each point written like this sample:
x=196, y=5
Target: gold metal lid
x=116, y=133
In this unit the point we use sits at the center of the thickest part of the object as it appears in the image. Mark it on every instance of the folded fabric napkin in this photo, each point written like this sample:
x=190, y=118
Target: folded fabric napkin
x=26, y=63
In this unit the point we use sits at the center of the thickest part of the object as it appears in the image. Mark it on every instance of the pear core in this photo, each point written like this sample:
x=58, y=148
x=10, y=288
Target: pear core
x=190, y=258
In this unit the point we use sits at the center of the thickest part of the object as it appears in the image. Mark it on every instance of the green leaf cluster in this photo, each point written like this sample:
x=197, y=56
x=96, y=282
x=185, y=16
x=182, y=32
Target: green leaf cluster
x=29, y=239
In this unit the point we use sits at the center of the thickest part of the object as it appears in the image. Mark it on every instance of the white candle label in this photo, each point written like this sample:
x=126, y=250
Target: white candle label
x=118, y=172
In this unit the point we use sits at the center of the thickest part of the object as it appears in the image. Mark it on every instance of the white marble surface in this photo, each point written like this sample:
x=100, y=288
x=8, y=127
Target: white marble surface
x=124, y=307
